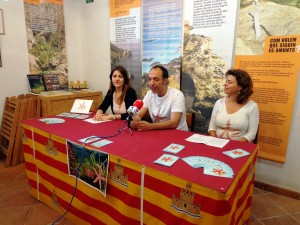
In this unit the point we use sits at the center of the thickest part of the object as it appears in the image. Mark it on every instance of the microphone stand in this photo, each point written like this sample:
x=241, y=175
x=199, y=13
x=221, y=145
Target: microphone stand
x=128, y=121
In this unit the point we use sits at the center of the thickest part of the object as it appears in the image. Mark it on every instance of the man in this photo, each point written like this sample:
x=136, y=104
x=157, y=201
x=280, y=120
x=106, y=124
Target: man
x=165, y=105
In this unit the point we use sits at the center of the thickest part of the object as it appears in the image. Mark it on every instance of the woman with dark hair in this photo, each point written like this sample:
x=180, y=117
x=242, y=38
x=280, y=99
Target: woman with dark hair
x=119, y=97
x=235, y=117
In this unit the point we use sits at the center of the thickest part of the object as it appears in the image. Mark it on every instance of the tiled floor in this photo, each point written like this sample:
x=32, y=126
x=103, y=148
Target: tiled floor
x=17, y=207
x=272, y=209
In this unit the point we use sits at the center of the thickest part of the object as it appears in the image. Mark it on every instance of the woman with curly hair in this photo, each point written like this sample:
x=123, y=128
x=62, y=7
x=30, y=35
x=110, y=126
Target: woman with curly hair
x=235, y=117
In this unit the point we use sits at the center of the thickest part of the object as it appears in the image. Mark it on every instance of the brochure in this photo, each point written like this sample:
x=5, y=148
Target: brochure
x=210, y=166
x=52, y=120
x=36, y=83
x=166, y=160
x=236, y=153
x=101, y=143
x=89, y=139
x=174, y=148
x=51, y=82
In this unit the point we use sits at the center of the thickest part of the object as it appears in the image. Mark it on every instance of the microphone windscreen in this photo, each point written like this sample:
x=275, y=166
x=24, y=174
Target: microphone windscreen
x=138, y=103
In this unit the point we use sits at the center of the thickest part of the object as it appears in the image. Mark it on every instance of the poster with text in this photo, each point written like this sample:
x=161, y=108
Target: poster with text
x=162, y=39
x=125, y=40
x=275, y=77
x=46, y=43
x=209, y=28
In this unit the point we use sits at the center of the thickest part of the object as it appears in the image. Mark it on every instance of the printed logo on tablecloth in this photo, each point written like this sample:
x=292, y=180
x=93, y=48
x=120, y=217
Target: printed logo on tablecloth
x=185, y=202
x=50, y=148
x=252, y=170
x=117, y=174
x=54, y=199
x=24, y=136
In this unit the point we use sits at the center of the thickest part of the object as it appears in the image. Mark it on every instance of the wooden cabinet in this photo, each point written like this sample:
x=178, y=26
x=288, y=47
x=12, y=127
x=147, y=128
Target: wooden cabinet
x=53, y=103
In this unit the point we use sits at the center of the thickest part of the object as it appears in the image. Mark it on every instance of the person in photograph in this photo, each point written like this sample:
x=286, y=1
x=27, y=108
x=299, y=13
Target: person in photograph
x=235, y=116
x=164, y=105
x=119, y=97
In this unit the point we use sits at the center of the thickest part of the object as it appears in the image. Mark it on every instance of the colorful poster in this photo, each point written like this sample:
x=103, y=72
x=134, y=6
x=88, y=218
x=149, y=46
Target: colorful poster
x=88, y=165
x=162, y=39
x=259, y=19
x=46, y=42
x=209, y=28
x=125, y=40
x=275, y=78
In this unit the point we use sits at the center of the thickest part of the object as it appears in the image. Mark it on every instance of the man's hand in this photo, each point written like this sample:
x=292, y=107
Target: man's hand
x=135, y=120
x=143, y=126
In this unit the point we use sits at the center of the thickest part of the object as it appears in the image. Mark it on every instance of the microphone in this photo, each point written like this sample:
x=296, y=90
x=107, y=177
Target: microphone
x=134, y=109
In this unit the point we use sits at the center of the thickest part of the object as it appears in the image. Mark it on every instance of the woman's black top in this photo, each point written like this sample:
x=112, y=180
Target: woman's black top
x=130, y=98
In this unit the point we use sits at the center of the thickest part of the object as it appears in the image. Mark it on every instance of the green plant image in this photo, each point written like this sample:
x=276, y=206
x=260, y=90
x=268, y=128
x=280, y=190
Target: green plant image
x=93, y=165
x=45, y=52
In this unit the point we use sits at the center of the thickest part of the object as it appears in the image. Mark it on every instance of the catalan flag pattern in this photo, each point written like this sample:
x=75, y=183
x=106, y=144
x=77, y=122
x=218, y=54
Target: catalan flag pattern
x=172, y=200
x=136, y=194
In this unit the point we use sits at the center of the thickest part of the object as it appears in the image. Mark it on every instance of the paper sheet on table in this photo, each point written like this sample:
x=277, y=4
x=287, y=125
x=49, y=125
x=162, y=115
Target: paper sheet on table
x=208, y=140
x=91, y=120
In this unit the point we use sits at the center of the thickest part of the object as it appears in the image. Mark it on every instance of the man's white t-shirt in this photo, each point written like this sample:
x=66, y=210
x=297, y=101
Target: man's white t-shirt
x=160, y=108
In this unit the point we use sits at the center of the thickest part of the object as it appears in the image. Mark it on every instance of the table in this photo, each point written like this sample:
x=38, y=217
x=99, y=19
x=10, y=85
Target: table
x=55, y=102
x=138, y=191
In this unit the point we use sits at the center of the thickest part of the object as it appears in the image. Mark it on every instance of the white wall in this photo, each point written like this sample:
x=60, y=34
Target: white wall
x=87, y=37
x=96, y=43
x=88, y=50
x=73, y=24
x=13, y=45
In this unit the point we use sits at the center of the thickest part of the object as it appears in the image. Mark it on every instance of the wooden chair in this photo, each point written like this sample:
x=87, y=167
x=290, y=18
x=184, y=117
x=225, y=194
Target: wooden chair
x=15, y=110
x=9, y=128
x=17, y=150
x=190, y=120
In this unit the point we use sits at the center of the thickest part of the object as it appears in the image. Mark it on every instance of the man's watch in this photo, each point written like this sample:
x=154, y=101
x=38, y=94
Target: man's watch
x=114, y=117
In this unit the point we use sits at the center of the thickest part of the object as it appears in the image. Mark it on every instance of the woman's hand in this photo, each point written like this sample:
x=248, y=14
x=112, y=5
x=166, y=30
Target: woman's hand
x=99, y=115
x=108, y=117
x=212, y=133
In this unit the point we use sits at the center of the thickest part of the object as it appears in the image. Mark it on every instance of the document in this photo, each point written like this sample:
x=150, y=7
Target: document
x=91, y=120
x=208, y=140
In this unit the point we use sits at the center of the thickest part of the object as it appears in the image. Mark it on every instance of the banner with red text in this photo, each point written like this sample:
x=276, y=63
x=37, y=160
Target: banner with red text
x=275, y=78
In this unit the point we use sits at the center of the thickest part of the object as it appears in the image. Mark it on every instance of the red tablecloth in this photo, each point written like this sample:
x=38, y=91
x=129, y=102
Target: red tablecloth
x=146, y=147
x=221, y=197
